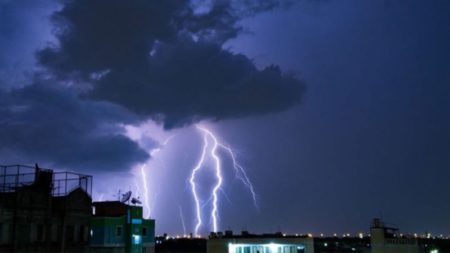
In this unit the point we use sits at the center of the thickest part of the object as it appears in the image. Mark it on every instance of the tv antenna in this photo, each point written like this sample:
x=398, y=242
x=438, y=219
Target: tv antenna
x=135, y=201
x=125, y=197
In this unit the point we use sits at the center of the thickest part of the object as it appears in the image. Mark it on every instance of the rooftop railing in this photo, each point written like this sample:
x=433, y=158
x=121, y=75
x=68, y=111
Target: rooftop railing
x=14, y=177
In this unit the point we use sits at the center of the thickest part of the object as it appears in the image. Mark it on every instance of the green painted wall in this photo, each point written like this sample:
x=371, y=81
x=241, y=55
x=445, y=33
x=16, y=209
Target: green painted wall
x=108, y=231
x=126, y=231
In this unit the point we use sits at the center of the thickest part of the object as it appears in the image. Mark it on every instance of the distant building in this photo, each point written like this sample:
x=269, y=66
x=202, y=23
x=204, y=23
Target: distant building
x=187, y=244
x=344, y=244
x=266, y=243
x=387, y=240
x=42, y=210
x=118, y=227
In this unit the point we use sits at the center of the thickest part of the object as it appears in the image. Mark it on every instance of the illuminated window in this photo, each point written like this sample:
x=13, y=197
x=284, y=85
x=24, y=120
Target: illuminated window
x=137, y=239
x=266, y=248
x=136, y=221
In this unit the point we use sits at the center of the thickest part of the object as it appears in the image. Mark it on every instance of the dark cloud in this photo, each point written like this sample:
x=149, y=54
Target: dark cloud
x=49, y=124
x=165, y=59
x=116, y=63
x=24, y=27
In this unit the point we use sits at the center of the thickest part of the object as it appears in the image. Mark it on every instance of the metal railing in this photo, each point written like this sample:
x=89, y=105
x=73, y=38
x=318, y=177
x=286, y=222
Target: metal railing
x=13, y=177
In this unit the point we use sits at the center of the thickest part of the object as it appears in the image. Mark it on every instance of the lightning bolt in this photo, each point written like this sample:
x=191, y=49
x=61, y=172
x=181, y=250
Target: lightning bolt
x=145, y=185
x=194, y=186
x=146, y=201
x=182, y=219
x=239, y=173
x=218, y=168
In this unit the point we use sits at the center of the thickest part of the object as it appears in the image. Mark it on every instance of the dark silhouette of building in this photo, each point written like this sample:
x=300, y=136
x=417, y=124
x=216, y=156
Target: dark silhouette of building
x=44, y=211
x=165, y=244
x=345, y=244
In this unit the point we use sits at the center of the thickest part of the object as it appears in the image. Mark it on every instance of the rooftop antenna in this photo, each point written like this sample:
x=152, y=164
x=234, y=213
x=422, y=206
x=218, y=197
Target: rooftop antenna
x=118, y=195
x=125, y=197
x=135, y=201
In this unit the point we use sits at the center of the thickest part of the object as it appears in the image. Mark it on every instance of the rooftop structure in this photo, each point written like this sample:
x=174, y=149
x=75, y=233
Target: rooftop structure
x=42, y=210
x=14, y=177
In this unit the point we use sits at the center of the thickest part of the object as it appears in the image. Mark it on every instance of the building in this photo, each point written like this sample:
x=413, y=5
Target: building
x=185, y=244
x=118, y=227
x=385, y=239
x=344, y=244
x=266, y=243
x=42, y=210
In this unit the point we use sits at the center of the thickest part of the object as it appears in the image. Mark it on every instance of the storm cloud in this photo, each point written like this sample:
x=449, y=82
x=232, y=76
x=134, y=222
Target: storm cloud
x=65, y=98
x=47, y=124
x=165, y=59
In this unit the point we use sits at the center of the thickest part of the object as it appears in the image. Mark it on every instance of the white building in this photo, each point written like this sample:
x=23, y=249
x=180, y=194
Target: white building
x=267, y=243
x=387, y=240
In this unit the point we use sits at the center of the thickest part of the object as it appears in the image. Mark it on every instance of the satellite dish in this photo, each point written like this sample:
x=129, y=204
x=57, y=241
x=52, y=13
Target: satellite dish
x=125, y=197
x=135, y=201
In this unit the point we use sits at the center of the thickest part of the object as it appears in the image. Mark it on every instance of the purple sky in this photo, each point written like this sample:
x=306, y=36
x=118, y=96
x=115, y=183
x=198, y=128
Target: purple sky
x=338, y=110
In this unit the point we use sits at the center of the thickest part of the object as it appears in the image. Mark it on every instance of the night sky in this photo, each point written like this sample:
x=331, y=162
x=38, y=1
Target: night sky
x=339, y=111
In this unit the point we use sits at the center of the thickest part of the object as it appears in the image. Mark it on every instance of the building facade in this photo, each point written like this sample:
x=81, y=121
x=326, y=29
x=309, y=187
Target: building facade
x=387, y=240
x=118, y=227
x=44, y=211
x=267, y=243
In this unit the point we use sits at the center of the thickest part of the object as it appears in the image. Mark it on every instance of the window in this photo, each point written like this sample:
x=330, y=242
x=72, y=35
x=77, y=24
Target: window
x=119, y=231
x=136, y=221
x=40, y=232
x=82, y=233
x=300, y=249
x=70, y=235
x=54, y=233
x=137, y=239
x=144, y=231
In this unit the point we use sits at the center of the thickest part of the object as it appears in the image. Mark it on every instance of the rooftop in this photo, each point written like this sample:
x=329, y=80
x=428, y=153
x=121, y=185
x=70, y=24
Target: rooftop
x=15, y=177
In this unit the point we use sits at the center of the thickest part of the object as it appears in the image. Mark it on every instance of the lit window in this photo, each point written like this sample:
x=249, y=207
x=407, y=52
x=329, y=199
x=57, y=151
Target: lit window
x=137, y=239
x=136, y=221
